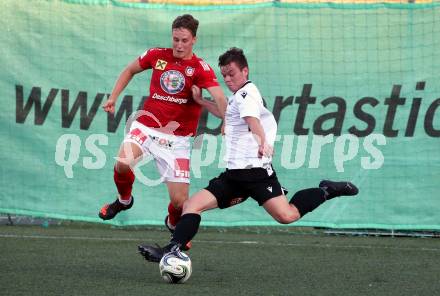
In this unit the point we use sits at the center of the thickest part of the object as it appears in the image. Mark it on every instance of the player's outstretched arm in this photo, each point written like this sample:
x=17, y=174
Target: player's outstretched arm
x=123, y=80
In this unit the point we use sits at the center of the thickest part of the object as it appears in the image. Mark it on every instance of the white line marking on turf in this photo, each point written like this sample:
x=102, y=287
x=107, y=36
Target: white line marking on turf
x=139, y=240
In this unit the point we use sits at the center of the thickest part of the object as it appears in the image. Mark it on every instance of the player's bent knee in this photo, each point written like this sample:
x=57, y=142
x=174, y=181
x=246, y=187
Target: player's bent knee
x=122, y=168
x=190, y=207
x=129, y=154
x=178, y=199
x=178, y=194
x=178, y=202
x=287, y=217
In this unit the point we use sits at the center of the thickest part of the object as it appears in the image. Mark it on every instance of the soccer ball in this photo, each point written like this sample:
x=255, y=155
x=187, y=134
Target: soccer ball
x=175, y=267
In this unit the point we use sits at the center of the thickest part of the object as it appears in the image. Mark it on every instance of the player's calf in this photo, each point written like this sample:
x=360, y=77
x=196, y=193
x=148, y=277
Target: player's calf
x=307, y=200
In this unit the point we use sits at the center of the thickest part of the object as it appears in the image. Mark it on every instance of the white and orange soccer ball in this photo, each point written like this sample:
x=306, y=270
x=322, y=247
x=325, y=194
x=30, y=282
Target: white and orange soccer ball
x=175, y=267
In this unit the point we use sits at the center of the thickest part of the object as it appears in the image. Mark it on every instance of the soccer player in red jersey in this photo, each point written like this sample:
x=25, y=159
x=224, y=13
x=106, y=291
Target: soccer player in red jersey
x=171, y=117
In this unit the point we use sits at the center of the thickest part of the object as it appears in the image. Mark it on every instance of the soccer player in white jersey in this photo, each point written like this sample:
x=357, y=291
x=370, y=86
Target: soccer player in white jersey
x=250, y=131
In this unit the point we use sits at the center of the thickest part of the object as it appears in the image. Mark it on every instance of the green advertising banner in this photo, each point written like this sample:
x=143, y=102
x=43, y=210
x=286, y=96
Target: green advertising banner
x=355, y=90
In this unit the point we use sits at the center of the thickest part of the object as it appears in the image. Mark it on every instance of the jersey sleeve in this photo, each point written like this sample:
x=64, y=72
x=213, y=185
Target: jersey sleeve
x=206, y=77
x=147, y=59
x=247, y=104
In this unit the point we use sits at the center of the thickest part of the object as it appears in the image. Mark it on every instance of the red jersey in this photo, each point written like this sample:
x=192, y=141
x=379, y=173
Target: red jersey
x=170, y=96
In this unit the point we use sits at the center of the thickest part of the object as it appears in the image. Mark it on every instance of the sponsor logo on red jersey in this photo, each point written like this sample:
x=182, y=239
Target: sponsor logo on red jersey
x=189, y=71
x=160, y=65
x=172, y=82
x=169, y=99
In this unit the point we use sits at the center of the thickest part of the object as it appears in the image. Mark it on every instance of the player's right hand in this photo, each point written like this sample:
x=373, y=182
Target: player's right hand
x=109, y=106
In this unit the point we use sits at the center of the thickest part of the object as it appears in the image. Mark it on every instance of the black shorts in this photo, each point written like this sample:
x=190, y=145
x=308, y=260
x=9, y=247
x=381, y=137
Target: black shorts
x=235, y=186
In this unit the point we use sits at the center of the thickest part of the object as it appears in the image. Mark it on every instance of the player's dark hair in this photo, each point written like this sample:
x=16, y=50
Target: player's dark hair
x=234, y=54
x=186, y=21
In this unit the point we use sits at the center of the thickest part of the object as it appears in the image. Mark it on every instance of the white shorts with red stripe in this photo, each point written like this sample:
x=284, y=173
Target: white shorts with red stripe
x=171, y=153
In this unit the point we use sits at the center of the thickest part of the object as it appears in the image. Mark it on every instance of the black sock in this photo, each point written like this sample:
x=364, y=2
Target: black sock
x=186, y=229
x=307, y=200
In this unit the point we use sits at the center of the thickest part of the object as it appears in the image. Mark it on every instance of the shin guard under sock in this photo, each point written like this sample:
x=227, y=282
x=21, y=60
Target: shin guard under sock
x=186, y=229
x=124, y=184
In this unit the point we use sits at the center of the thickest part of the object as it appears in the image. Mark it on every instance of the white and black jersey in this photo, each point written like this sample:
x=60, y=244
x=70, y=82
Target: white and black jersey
x=246, y=175
x=241, y=145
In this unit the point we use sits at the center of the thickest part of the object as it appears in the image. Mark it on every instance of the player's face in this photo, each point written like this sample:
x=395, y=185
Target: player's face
x=183, y=42
x=234, y=77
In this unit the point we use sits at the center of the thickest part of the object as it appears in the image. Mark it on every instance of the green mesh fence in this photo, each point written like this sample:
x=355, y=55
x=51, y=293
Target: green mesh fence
x=355, y=89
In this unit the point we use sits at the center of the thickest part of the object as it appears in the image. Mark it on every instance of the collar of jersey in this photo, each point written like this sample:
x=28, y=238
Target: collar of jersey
x=247, y=82
x=184, y=61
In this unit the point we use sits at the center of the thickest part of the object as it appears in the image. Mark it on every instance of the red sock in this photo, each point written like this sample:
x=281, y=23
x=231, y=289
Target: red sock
x=124, y=183
x=173, y=214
